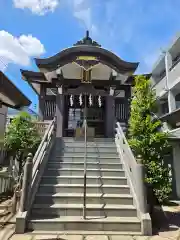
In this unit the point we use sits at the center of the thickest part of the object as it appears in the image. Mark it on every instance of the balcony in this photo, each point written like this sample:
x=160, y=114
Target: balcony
x=173, y=119
x=161, y=87
x=175, y=62
x=174, y=79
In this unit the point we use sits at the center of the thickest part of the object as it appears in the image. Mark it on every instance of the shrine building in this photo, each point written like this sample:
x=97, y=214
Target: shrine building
x=84, y=76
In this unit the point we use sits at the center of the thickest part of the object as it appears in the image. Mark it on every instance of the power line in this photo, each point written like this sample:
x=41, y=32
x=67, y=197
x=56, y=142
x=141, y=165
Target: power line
x=3, y=65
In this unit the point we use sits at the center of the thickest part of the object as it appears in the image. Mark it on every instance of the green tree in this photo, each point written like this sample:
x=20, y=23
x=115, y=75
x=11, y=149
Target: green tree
x=146, y=138
x=21, y=138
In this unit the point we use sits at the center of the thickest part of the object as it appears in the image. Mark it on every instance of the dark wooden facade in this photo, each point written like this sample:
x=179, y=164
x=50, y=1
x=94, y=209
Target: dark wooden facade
x=112, y=108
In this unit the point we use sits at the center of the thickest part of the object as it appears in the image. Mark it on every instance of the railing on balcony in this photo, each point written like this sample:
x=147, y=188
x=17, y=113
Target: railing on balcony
x=175, y=133
x=175, y=62
x=173, y=79
x=161, y=86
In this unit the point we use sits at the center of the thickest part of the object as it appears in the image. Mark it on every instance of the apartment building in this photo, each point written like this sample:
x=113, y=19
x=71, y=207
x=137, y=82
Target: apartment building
x=166, y=81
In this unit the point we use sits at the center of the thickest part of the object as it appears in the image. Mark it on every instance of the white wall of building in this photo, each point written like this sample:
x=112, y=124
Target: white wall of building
x=166, y=81
x=169, y=66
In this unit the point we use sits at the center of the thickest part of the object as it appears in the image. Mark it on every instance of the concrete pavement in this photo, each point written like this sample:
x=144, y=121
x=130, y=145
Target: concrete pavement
x=173, y=235
x=167, y=227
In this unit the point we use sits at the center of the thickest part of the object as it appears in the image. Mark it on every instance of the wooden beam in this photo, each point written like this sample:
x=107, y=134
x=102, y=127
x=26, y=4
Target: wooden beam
x=75, y=82
x=80, y=90
x=9, y=90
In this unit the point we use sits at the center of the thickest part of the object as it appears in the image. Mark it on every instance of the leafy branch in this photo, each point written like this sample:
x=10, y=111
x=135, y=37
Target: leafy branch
x=146, y=138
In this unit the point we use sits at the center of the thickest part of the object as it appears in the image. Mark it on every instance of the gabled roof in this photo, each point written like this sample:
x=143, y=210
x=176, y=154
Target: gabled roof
x=87, y=47
x=103, y=55
x=10, y=95
x=70, y=63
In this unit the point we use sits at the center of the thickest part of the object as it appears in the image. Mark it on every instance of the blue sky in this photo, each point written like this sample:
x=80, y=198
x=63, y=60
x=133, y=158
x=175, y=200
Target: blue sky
x=136, y=30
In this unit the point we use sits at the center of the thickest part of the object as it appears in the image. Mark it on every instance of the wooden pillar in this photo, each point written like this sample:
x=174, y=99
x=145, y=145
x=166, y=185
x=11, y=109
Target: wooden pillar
x=110, y=116
x=128, y=95
x=42, y=101
x=59, y=113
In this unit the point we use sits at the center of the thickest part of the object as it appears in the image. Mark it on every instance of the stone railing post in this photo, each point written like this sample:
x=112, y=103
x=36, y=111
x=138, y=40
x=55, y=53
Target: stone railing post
x=25, y=195
x=140, y=184
x=55, y=125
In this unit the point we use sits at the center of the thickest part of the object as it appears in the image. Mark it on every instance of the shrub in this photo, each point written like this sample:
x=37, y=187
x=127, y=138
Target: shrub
x=21, y=138
x=146, y=138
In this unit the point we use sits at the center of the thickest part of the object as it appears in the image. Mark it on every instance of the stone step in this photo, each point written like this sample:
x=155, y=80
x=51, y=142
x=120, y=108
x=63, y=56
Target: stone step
x=101, y=144
x=95, y=210
x=80, y=172
x=93, y=141
x=81, y=159
x=119, y=224
x=80, y=180
x=93, y=165
x=73, y=149
x=73, y=198
x=69, y=235
x=79, y=188
x=90, y=155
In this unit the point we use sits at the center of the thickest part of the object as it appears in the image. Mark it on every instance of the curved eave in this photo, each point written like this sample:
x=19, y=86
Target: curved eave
x=34, y=79
x=11, y=105
x=33, y=76
x=10, y=95
x=69, y=54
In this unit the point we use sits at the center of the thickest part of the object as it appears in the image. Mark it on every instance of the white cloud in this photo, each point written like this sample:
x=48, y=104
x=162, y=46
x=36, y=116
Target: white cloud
x=39, y=7
x=151, y=58
x=31, y=45
x=78, y=2
x=19, y=50
x=83, y=12
x=136, y=30
x=84, y=15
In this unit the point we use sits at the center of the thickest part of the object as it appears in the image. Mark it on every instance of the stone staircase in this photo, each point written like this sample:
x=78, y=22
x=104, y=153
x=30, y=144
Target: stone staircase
x=58, y=204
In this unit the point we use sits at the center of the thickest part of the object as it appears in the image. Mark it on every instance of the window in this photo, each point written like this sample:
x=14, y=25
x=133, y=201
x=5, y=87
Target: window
x=164, y=108
x=177, y=98
x=120, y=93
x=51, y=91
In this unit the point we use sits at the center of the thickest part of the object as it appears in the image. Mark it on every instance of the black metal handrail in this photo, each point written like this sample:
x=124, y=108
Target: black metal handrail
x=85, y=158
